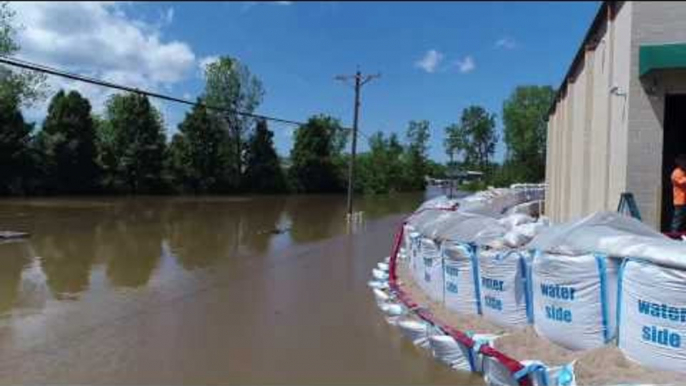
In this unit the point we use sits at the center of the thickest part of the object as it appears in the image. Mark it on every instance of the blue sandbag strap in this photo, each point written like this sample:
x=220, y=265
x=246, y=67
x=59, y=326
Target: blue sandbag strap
x=602, y=272
x=471, y=360
x=566, y=376
x=620, y=279
x=528, y=288
x=533, y=368
x=475, y=274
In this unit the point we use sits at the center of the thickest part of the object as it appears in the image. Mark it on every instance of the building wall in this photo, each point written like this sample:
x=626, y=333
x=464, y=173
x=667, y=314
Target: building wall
x=619, y=106
x=575, y=160
x=589, y=167
x=657, y=22
x=599, y=120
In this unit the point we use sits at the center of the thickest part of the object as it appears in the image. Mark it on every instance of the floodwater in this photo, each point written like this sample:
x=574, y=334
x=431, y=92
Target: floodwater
x=200, y=291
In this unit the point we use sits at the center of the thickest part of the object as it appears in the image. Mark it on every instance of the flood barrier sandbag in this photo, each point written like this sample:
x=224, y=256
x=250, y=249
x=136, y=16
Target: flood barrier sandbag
x=652, y=315
x=538, y=374
x=431, y=273
x=574, y=299
x=417, y=331
x=477, y=356
x=406, y=244
x=414, y=253
x=460, y=278
x=502, y=286
x=449, y=351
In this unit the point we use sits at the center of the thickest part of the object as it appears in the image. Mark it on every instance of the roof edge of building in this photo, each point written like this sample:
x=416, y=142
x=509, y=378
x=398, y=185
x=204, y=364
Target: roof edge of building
x=599, y=17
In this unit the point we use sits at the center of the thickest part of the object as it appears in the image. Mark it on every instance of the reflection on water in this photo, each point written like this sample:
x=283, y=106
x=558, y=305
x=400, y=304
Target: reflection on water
x=212, y=291
x=15, y=258
x=70, y=238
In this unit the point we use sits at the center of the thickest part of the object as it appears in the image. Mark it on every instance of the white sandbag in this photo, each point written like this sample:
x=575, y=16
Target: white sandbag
x=479, y=341
x=652, y=321
x=502, y=287
x=530, y=208
x=382, y=266
x=431, y=280
x=393, y=312
x=417, y=331
x=611, y=234
x=541, y=375
x=530, y=230
x=393, y=309
x=470, y=228
x=381, y=296
x=446, y=349
x=515, y=219
x=515, y=239
x=377, y=284
x=406, y=242
x=574, y=299
x=496, y=374
x=561, y=375
x=379, y=274
x=414, y=254
x=460, y=278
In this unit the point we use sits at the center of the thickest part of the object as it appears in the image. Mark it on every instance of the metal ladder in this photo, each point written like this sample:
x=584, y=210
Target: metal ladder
x=627, y=205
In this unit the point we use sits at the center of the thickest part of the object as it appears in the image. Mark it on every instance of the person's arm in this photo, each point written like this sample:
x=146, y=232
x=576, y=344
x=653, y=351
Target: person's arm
x=679, y=180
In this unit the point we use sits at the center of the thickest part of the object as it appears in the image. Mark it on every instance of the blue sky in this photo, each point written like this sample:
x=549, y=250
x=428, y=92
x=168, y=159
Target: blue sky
x=436, y=58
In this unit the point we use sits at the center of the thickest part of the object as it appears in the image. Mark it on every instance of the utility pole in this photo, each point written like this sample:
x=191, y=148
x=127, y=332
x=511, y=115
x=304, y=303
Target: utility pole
x=360, y=81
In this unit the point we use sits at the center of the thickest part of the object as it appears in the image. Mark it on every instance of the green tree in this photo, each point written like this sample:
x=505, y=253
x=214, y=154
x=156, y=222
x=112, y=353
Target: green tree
x=17, y=157
x=263, y=172
x=416, y=155
x=525, y=130
x=68, y=142
x=231, y=86
x=455, y=142
x=135, y=141
x=199, y=151
x=22, y=87
x=381, y=169
x=312, y=166
x=15, y=137
x=480, y=136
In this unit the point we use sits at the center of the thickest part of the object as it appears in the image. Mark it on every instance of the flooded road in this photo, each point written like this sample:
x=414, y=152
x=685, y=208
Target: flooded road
x=266, y=290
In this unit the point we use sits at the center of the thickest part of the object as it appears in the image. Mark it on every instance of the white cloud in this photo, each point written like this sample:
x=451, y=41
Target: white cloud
x=506, y=43
x=99, y=39
x=466, y=65
x=430, y=61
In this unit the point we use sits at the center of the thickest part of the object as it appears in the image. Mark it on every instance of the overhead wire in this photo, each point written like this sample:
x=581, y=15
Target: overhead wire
x=15, y=62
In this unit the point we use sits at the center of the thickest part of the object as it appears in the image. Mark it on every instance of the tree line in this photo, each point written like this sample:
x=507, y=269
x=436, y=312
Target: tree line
x=125, y=151
x=471, y=143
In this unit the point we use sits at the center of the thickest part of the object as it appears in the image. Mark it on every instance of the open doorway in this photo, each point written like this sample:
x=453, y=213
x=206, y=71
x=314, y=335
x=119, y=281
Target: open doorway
x=674, y=143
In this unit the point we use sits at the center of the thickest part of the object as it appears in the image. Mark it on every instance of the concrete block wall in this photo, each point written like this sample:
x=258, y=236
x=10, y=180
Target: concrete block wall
x=658, y=22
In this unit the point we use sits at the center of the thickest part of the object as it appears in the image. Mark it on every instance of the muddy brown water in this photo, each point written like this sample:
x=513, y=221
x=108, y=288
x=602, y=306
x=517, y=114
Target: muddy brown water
x=201, y=291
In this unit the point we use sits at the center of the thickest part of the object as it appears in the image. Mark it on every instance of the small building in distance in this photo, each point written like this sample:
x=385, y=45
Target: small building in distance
x=619, y=117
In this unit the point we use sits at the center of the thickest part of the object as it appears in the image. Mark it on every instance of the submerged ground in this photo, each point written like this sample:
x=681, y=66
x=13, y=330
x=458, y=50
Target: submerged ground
x=201, y=291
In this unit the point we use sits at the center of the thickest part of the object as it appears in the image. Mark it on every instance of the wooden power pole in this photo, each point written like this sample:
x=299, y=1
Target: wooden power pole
x=360, y=80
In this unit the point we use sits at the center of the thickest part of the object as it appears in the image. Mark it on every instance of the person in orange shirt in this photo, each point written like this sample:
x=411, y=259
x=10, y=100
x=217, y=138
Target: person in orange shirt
x=679, y=193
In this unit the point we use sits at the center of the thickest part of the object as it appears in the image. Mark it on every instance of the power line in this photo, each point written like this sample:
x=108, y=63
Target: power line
x=99, y=82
